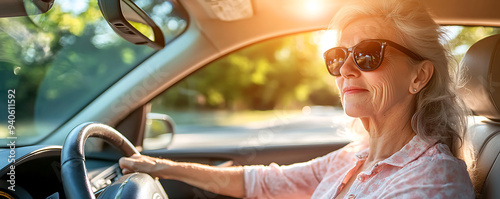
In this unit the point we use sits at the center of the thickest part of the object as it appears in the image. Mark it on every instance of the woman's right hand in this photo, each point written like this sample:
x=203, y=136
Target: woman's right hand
x=221, y=180
x=145, y=164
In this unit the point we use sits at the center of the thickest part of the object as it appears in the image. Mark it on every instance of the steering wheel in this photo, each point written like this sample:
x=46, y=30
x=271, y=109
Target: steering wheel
x=74, y=174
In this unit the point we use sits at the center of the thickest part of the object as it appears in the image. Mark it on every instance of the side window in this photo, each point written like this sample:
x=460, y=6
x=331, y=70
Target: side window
x=273, y=92
x=279, y=86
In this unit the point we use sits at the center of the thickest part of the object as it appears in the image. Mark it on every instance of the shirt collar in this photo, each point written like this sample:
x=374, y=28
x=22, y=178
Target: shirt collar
x=411, y=151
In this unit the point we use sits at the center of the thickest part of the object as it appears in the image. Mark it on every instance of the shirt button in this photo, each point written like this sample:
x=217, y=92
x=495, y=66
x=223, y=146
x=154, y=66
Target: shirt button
x=352, y=196
x=360, y=178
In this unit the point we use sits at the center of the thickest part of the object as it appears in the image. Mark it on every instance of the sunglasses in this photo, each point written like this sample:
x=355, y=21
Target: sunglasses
x=367, y=55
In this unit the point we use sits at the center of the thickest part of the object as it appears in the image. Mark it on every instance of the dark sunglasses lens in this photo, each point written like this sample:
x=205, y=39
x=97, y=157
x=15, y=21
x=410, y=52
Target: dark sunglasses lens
x=335, y=58
x=368, y=55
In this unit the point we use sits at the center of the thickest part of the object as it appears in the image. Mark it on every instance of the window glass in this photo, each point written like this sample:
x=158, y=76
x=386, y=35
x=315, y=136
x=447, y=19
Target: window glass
x=273, y=87
x=277, y=91
x=60, y=61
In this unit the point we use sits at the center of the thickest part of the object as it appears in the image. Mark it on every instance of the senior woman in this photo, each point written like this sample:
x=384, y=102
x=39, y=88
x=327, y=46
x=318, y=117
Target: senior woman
x=393, y=74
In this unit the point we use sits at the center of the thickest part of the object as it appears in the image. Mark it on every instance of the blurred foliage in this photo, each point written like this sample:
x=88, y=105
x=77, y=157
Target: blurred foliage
x=281, y=73
x=461, y=38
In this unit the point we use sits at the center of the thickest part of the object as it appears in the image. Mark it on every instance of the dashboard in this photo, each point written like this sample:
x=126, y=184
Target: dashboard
x=36, y=173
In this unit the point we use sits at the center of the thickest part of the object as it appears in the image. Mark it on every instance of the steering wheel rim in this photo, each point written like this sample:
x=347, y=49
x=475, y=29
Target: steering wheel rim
x=73, y=171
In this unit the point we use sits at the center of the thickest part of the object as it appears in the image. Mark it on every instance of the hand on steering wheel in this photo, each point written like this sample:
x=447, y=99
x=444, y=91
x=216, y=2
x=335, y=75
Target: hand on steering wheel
x=144, y=164
x=74, y=174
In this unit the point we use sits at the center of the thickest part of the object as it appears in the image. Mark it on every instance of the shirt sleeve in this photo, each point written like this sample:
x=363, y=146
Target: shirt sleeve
x=291, y=181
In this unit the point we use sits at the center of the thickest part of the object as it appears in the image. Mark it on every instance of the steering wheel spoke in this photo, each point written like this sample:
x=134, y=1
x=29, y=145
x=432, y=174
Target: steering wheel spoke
x=134, y=185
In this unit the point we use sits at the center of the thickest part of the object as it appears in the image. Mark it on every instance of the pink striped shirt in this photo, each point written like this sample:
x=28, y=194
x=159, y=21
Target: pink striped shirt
x=418, y=170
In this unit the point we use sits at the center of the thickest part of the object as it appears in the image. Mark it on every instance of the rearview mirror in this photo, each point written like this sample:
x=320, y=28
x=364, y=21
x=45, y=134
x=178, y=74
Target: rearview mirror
x=16, y=8
x=132, y=23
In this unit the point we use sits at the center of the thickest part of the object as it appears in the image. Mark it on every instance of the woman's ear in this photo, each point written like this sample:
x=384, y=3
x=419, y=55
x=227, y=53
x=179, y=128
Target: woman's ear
x=422, y=76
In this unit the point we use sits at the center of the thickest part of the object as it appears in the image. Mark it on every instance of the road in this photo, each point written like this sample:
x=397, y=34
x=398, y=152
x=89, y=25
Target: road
x=316, y=126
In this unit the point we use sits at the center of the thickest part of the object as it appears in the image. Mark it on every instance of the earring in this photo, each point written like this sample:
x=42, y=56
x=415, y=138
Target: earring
x=414, y=90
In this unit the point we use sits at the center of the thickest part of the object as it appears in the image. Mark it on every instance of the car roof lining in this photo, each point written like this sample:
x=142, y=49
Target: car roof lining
x=465, y=12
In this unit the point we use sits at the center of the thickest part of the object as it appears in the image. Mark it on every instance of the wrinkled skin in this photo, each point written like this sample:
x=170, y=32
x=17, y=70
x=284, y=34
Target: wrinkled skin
x=383, y=99
x=382, y=94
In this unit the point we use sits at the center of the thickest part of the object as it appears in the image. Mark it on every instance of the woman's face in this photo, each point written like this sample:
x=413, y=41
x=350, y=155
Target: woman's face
x=374, y=93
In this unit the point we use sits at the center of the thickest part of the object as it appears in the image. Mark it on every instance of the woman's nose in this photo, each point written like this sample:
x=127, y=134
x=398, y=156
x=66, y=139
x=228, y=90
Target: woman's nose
x=349, y=69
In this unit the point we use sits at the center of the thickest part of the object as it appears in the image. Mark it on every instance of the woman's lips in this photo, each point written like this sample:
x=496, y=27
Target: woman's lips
x=353, y=90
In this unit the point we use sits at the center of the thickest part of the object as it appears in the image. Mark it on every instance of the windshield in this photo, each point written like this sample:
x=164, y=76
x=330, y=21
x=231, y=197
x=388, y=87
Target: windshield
x=52, y=65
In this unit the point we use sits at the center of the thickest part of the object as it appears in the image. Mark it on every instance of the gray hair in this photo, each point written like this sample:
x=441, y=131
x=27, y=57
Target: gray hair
x=440, y=113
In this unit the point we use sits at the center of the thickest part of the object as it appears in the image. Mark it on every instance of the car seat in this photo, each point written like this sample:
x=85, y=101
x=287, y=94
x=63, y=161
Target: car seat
x=482, y=94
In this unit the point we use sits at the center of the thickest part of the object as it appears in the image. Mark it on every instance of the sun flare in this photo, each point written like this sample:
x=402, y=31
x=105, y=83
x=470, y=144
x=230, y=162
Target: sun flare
x=328, y=40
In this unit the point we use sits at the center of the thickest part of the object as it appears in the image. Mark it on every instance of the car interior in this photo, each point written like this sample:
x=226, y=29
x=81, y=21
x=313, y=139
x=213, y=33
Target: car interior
x=482, y=66
x=77, y=156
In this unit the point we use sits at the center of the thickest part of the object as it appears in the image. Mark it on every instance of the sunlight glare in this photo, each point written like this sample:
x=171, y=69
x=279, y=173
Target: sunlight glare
x=312, y=6
x=327, y=40
x=75, y=7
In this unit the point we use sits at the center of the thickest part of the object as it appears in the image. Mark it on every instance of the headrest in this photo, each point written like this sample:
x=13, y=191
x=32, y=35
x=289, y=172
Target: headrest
x=482, y=68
